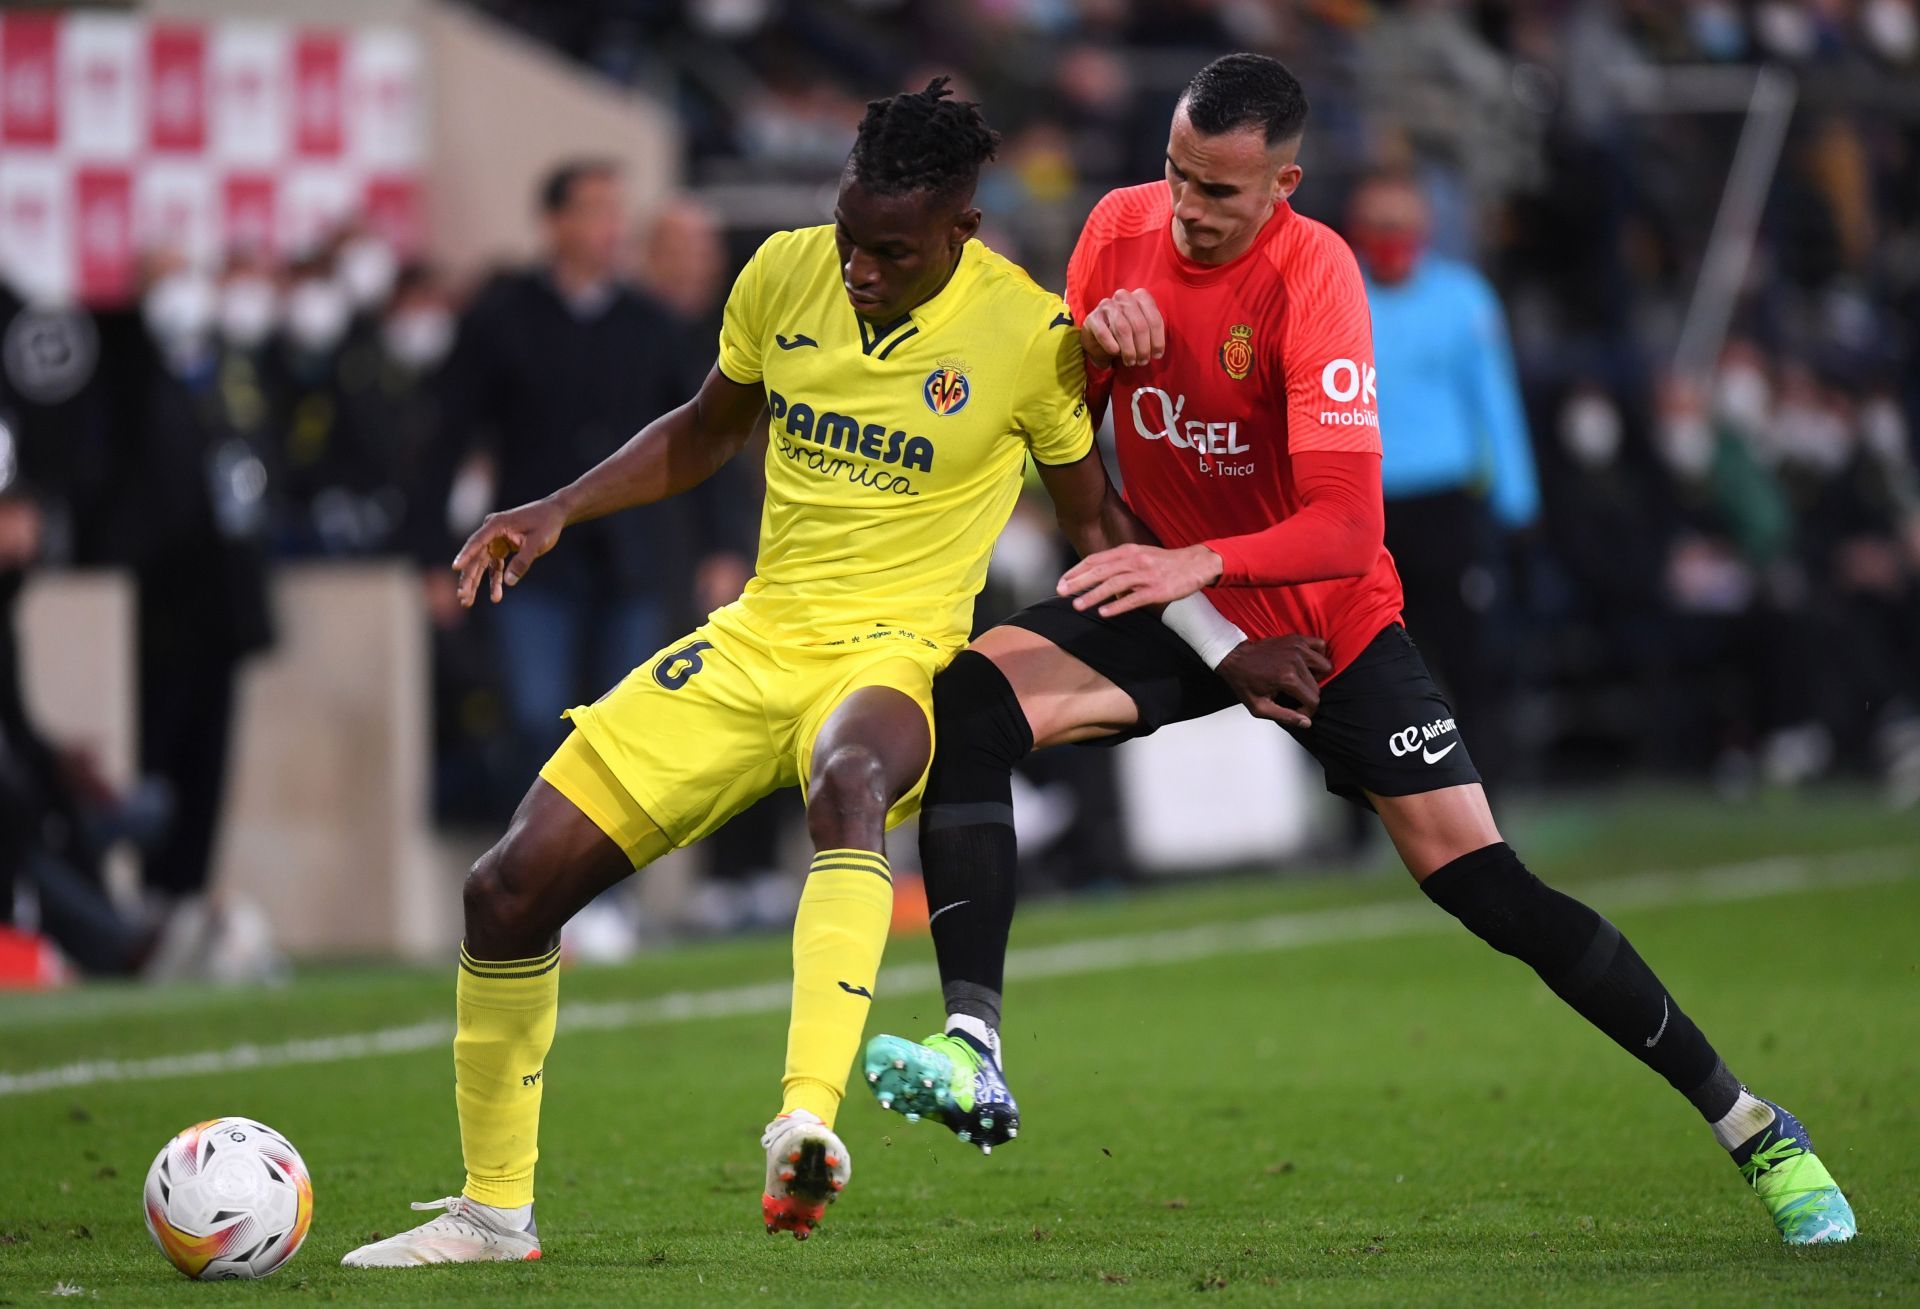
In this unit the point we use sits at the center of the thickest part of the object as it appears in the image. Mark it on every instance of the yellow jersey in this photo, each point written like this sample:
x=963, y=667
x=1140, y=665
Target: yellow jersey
x=894, y=453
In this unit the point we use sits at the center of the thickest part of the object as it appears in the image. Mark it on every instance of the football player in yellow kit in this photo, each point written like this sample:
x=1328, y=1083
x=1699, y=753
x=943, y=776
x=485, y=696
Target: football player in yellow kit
x=904, y=374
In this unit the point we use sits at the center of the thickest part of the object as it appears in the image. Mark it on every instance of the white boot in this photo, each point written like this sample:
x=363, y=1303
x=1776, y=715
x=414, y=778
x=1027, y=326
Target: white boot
x=467, y=1233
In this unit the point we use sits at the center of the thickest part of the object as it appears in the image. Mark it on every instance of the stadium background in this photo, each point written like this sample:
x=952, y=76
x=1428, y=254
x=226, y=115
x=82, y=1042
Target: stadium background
x=1719, y=586
x=1701, y=658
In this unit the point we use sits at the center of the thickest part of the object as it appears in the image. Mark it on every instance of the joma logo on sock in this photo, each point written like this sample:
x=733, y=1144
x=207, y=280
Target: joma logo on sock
x=532, y=1079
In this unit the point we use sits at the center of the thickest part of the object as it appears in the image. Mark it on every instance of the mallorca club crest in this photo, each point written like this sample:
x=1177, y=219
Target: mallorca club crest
x=946, y=389
x=1236, y=352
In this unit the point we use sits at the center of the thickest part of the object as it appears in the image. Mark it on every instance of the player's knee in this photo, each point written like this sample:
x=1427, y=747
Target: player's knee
x=499, y=914
x=848, y=797
x=977, y=716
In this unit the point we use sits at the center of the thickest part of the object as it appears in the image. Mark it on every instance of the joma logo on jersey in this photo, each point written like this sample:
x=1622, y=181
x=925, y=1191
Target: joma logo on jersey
x=946, y=391
x=839, y=431
x=1236, y=352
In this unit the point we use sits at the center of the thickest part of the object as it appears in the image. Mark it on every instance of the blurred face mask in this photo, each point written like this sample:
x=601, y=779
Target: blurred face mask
x=418, y=338
x=1892, y=28
x=1743, y=396
x=1883, y=429
x=1590, y=429
x=317, y=314
x=367, y=268
x=248, y=307
x=1686, y=442
x=179, y=310
x=1390, y=256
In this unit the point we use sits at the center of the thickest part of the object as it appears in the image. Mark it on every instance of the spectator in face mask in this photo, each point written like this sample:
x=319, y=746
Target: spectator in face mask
x=249, y=307
x=328, y=469
x=368, y=271
x=187, y=510
x=389, y=402
x=1458, y=465
x=247, y=378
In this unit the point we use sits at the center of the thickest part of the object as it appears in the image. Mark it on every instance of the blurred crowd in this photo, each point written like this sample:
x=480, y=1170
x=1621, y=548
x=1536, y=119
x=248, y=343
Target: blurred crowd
x=1717, y=575
x=340, y=405
x=1710, y=576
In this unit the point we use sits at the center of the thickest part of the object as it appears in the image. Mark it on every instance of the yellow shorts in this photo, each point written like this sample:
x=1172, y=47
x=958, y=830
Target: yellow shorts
x=717, y=720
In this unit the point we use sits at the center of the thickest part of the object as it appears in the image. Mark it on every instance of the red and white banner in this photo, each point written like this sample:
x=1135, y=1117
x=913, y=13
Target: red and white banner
x=177, y=89
x=29, y=80
x=121, y=135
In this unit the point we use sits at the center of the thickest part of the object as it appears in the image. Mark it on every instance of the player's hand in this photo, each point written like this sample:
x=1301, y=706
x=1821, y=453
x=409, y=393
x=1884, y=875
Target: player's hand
x=1130, y=577
x=1274, y=675
x=503, y=548
x=1126, y=327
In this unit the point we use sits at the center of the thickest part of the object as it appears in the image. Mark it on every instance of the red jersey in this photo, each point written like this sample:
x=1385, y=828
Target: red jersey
x=1268, y=358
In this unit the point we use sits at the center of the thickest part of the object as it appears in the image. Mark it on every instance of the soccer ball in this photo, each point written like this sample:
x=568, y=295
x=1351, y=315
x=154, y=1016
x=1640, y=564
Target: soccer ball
x=228, y=1198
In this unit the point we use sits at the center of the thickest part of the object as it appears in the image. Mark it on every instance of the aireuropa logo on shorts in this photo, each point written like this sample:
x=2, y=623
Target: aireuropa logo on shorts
x=1346, y=382
x=1414, y=738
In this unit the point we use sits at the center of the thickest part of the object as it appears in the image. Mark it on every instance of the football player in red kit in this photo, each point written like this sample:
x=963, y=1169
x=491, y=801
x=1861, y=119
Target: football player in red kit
x=1230, y=338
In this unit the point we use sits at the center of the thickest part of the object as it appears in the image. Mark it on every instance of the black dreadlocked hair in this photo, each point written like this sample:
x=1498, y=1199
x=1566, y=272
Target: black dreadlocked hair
x=1236, y=91
x=922, y=141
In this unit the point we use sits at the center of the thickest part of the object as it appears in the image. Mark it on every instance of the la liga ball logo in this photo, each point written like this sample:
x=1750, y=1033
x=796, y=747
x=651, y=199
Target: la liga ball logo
x=1236, y=352
x=946, y=391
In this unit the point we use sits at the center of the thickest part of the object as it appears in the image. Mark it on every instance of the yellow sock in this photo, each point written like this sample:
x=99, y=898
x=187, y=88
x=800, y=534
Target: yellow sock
x=504, y=1027
x=839, y=936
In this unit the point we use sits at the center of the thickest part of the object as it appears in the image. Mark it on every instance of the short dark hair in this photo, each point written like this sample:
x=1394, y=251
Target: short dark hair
x=922, y=141
x=1243, y=90
x=556, y=188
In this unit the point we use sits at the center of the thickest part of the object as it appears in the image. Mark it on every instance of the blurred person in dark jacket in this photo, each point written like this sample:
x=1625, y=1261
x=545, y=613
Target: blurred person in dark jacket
x=53, y=804
x=553, y=368
x=1848, y=471
x=188, y=512
x=386, y=385
x=45, y=837
x=328, y=467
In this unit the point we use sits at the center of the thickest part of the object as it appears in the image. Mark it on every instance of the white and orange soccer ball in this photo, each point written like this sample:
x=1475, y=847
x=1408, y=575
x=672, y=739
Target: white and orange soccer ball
x=228, y=1198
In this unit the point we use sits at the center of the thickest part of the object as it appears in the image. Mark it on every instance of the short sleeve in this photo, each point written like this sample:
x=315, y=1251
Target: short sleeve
x=1327, y=345
x=743, y=322
x=1050, y=406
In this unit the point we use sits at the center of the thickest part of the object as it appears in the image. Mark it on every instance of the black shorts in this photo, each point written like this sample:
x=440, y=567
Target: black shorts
x=1382, y=726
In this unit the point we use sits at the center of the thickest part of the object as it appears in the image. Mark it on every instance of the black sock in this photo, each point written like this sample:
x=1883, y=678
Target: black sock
x=1587, y=963
x=968, y=853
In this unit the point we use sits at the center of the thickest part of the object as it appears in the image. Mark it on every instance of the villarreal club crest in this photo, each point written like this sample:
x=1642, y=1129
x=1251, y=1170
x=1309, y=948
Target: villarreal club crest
x=947, y=390
x=1236, y=352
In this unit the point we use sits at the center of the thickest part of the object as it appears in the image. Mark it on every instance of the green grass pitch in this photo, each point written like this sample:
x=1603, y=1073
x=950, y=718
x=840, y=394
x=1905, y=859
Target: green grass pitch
x=1304, y=1090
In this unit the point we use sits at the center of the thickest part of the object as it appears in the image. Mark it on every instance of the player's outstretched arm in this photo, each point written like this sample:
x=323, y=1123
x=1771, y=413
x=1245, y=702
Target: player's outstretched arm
x=675, y=452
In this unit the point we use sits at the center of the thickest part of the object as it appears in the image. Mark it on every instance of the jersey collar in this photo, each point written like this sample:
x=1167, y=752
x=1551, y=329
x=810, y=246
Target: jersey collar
x=1199, y=274
x=879, y=341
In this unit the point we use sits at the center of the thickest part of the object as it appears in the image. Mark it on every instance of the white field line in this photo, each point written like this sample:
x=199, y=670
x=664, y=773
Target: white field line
x=1750, y=880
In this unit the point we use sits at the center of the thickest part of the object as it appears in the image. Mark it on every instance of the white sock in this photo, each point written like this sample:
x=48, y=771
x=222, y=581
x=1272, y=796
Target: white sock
x=516, y=1219
x=979, y=1031
x=1749, y=1114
